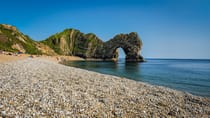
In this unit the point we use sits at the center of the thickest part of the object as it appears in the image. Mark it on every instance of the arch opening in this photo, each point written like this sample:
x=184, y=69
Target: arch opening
x=119, y=54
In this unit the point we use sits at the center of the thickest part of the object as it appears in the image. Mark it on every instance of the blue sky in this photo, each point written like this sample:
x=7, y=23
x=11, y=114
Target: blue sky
x=168, y=28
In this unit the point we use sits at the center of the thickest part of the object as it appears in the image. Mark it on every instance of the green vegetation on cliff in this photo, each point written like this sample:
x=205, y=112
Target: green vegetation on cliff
x=74, y=42
x=14, y=41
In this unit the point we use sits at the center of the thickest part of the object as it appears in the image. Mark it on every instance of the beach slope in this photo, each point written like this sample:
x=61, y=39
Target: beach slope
x=38, y=87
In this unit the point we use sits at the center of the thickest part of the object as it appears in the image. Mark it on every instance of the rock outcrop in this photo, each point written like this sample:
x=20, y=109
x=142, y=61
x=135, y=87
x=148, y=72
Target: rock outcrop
x=74, y=43
x=89, y=46
x=130, y=43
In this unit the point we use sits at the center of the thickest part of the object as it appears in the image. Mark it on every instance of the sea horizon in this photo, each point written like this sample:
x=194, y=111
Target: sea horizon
x=163, y=58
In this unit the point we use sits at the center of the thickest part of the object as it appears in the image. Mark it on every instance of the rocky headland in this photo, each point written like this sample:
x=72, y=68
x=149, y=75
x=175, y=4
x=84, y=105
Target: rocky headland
x=72, y=42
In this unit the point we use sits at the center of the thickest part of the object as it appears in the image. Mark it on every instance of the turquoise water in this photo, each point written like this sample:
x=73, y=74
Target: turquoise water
x=182, y=74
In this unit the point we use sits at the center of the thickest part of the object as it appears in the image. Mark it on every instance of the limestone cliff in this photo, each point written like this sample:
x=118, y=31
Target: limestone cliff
x=130, y=43
x=74, y=42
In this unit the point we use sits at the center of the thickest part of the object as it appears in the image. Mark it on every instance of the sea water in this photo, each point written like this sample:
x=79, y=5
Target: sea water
x=190, y=75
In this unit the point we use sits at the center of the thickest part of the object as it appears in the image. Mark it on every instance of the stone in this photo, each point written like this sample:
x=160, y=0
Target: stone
x=3, y=113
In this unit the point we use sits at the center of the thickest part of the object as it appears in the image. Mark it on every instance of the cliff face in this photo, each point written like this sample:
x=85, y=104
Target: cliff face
x=72, y=42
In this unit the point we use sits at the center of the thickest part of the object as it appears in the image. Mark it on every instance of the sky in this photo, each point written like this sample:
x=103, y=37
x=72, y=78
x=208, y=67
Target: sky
x=168, y=28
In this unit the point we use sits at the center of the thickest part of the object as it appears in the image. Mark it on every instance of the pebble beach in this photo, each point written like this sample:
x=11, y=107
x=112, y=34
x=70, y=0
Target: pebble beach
x=36, y=87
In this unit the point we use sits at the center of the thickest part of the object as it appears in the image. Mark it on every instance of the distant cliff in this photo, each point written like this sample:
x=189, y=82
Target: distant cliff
x=74, y=43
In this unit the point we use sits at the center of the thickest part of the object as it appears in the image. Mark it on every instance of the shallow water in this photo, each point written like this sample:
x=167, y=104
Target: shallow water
x=191, y=75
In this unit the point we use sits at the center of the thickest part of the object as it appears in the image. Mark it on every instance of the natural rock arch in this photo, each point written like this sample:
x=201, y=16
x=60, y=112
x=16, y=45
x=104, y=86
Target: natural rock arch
x=89, y=46
x=130, y=43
